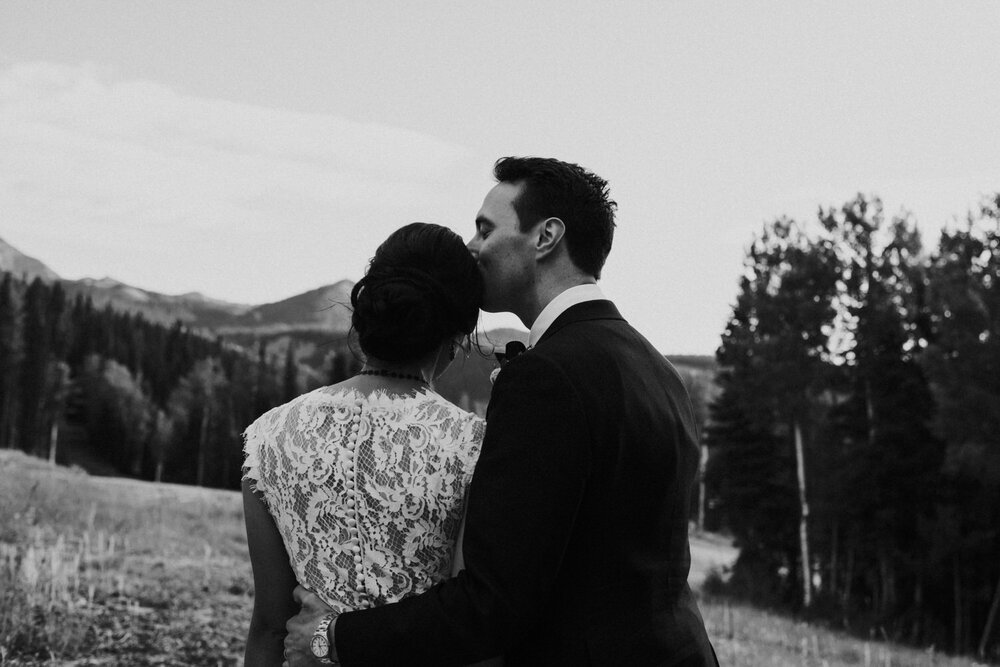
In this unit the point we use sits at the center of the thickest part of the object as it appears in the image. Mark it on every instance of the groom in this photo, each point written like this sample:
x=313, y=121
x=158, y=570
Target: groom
x=576, y=547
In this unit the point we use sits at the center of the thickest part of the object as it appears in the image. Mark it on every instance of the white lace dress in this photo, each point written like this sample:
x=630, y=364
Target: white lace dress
x=367, y=492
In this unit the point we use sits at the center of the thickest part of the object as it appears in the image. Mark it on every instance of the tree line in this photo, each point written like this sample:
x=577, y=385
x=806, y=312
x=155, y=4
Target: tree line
x=855, y=442
x=140, y=399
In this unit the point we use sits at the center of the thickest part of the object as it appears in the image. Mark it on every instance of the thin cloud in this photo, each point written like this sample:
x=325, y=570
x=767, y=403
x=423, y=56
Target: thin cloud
x=141, y=164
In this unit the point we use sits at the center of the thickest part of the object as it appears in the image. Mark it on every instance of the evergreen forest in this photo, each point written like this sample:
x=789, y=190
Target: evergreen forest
x=117, y=394
x=855, y=438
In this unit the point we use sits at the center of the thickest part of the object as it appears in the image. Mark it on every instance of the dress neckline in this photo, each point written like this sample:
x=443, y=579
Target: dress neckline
x=380, y=396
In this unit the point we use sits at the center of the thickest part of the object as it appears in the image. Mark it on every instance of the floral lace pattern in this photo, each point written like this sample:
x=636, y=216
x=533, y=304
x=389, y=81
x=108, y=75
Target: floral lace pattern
x=366, y=491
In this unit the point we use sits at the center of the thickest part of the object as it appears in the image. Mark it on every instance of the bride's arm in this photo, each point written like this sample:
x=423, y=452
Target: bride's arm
x=273, y=582
x=458, y=558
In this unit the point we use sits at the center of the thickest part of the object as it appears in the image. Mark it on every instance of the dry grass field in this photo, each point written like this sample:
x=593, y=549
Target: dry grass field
x=106, y=571
x=748, y=637
x=103, y=571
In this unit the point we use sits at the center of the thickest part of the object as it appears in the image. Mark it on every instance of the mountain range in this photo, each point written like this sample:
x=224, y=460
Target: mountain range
x=322, y=310
x=310, y=320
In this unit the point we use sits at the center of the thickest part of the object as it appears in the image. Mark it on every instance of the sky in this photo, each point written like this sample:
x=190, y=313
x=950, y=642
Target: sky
x=254, y=150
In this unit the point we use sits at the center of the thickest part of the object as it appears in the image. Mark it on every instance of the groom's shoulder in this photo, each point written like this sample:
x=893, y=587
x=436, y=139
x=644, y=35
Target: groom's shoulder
x=590, y=346
x=593, y=336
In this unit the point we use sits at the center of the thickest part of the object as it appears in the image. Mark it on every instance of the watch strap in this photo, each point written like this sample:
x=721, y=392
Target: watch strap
x=321, y=629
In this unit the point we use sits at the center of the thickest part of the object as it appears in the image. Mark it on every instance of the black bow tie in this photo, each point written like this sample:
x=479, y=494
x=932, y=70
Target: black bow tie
x=513, y=348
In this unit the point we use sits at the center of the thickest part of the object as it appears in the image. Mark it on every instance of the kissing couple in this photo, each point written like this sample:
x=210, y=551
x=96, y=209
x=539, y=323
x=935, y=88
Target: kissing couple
x=386, y=526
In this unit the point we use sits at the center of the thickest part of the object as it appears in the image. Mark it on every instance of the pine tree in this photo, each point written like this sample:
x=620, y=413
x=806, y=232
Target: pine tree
x=199, y=400
x=263, y=379
x=752, y=490
x=774, y=350
x=290, y=382
x=886, y=457
x=37, y=350
x=963, y=363
x=11, y=355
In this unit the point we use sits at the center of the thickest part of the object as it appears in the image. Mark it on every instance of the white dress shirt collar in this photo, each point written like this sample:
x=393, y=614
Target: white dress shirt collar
x=559, y=305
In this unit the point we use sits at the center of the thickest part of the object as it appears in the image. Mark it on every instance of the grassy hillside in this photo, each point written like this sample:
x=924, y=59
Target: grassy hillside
x=106, y=571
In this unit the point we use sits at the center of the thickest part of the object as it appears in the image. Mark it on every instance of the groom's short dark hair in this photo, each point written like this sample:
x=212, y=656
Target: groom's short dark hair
x=556, y=189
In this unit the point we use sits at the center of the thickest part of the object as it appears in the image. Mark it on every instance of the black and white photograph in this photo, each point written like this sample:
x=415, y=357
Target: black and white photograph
x=495, y=334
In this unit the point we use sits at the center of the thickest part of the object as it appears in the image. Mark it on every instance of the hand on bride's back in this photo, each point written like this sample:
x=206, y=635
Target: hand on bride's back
x=301, y=627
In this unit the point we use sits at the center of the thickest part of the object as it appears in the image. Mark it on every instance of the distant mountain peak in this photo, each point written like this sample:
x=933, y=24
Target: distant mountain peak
x=18, y=264
x=200, y=297
x=325, y=308
x=102, y=283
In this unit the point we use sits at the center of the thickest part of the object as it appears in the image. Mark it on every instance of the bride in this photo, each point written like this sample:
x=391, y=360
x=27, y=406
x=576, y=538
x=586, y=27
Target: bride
x=356, y=490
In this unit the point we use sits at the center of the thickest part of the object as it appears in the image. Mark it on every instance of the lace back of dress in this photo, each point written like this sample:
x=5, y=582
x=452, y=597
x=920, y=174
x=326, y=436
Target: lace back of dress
x=367, y=492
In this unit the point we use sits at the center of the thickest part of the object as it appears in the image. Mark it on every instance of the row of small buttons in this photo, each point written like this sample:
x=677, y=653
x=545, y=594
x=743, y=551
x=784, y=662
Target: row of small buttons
x=352, y=503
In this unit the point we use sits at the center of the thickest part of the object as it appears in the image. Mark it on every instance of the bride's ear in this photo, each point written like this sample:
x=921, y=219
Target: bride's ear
x=550, y=233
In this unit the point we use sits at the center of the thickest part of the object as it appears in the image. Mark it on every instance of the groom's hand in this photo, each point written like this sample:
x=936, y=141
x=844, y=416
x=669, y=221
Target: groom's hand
x=302, y=626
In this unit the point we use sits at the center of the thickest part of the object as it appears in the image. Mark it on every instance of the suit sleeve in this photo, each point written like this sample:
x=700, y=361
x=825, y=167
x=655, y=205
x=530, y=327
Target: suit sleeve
x=523, y=502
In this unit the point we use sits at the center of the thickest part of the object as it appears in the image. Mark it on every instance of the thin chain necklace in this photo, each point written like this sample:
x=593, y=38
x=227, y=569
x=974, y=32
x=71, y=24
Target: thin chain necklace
x=393, y=374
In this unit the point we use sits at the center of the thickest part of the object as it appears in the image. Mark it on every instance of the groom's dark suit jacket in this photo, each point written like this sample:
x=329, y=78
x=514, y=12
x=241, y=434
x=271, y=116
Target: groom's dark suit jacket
x=576, y=542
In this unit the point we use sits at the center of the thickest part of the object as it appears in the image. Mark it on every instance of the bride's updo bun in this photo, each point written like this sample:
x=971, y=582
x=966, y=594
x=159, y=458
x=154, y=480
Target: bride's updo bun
x=422, y=287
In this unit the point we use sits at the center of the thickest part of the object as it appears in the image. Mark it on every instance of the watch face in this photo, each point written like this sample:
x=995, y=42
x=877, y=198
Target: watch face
x=320, y=646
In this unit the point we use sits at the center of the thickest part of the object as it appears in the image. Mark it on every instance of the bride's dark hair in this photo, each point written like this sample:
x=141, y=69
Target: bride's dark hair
x=422, y=287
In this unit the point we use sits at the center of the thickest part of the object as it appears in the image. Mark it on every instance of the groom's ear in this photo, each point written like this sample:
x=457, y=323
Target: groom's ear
x=550, y=233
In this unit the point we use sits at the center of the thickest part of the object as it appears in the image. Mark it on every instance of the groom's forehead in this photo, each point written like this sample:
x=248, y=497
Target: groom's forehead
x=499, y=203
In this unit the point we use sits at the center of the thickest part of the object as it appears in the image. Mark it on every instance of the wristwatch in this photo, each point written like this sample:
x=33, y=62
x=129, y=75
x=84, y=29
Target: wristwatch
x=320, y=644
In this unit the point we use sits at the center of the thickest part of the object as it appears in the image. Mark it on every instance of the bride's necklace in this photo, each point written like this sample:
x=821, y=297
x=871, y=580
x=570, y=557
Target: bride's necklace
x=393, y=374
